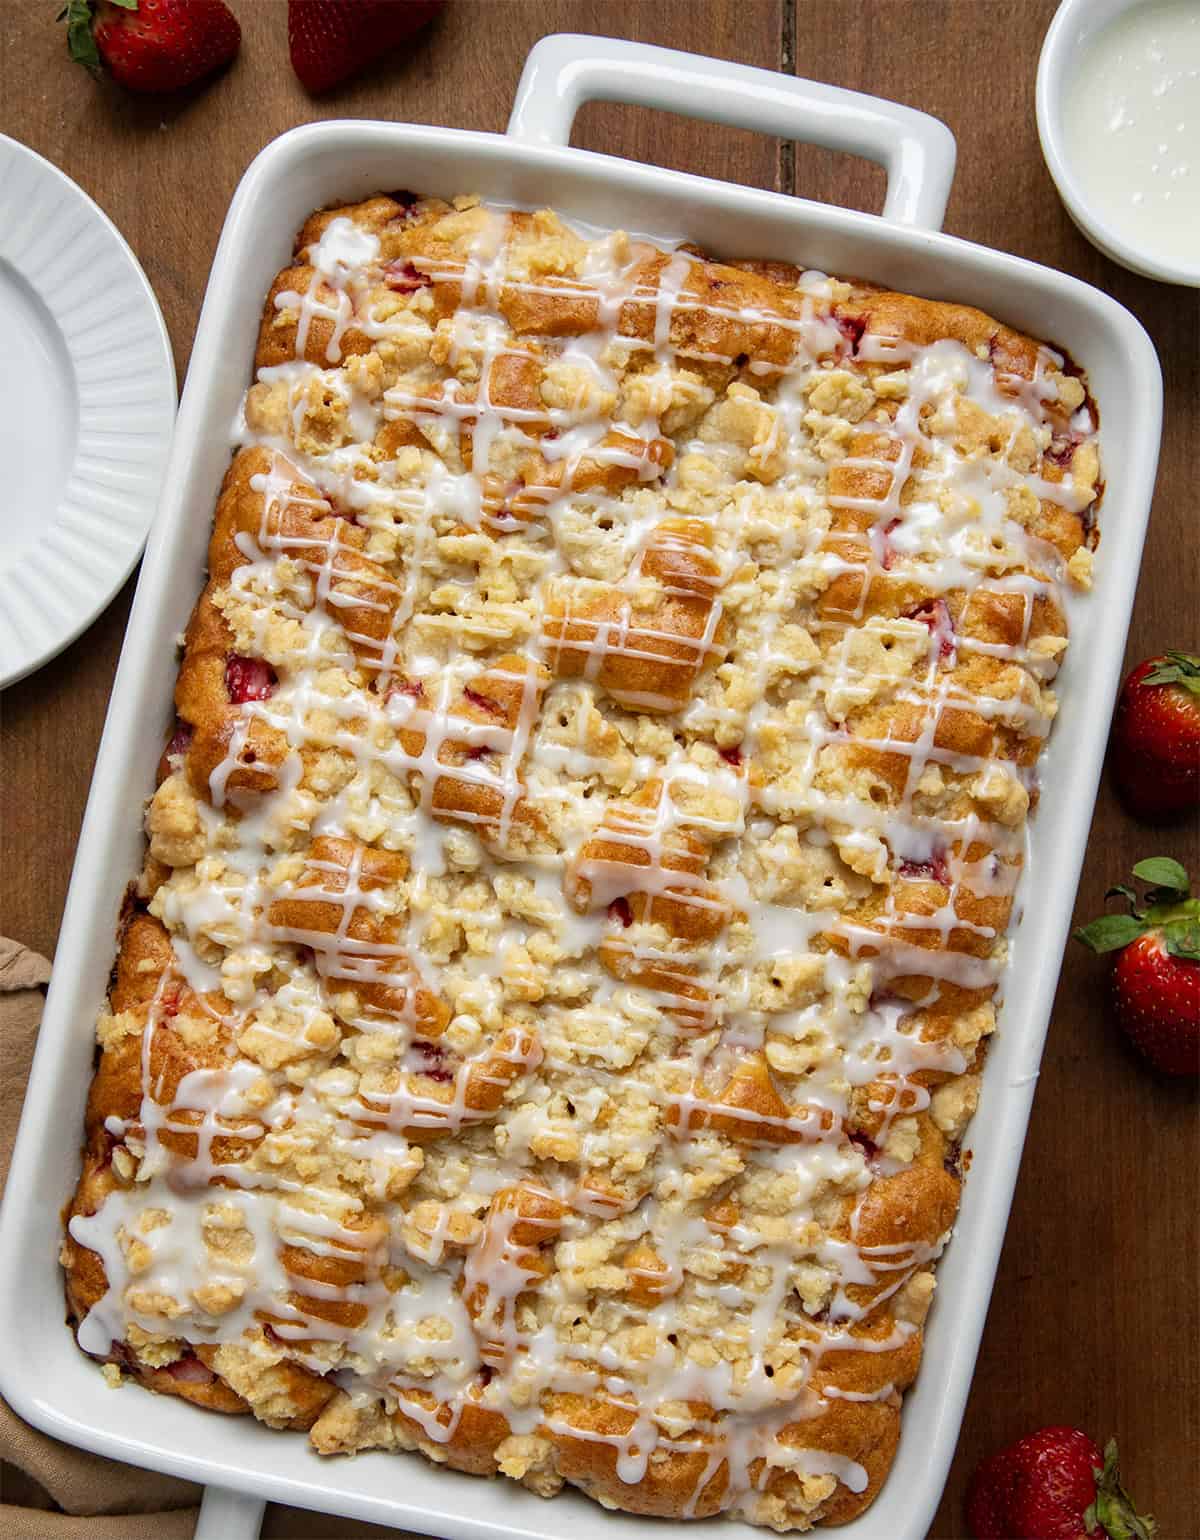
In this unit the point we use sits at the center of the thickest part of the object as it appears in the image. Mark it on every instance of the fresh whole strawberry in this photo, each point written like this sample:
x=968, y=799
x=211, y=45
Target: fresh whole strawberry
x=1053, y=1485
x=331, y=40
x=1156, y=977
x=152, y=45
x=1156, y=737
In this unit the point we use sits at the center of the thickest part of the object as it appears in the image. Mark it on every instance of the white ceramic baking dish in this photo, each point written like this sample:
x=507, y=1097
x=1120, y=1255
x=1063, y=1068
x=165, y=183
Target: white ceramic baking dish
x=42, y=1373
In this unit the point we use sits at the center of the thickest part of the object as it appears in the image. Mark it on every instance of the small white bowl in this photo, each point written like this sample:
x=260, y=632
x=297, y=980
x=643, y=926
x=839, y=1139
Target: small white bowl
x=1075, y=24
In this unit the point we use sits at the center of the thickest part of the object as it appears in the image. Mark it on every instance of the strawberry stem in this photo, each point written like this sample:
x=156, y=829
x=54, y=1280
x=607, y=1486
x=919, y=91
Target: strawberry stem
x=1113, y=1510
x=1167, y=906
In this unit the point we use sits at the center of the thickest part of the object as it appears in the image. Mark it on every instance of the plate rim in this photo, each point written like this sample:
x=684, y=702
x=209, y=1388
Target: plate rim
x=159, y=341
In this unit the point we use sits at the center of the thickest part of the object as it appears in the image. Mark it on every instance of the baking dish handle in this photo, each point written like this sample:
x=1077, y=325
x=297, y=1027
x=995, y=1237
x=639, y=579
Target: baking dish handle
x=228, y=1515
x=566, y=70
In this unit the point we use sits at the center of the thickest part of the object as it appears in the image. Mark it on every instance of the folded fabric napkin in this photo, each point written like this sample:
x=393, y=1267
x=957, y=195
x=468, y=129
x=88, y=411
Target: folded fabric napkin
x=49, y=1491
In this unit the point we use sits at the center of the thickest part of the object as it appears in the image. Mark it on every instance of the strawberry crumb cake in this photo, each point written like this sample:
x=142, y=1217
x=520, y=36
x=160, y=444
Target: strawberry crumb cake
x=545, y=1026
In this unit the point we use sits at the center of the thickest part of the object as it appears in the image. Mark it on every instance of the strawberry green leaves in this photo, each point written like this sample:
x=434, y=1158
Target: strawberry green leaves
x=1113, y=1513
x=1167, y=907
x=1163, y=873
x=1110, y=932
x=1181, y=668
x=81, y=44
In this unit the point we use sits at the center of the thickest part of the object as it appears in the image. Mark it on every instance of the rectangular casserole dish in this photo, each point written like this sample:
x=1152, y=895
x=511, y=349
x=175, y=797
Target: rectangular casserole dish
x=42, y=1374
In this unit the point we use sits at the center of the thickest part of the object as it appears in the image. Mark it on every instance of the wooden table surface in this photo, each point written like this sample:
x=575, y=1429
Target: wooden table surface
x=1095, y=1315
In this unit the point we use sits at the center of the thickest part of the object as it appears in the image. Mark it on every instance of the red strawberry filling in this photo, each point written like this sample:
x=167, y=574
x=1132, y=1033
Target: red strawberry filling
x=886, y=550
x=177, y=744
x=619, y=910
x=404, y=277
x=1062, y=450
x=413, y=688
x=852, y=328
x=864, y=1143
x=935, y=613
x=433, y=1056
x=249, y=679
x=191, y=1370
x=179, y=740
x=933, y=870
x=484, y=702
x=732, y=756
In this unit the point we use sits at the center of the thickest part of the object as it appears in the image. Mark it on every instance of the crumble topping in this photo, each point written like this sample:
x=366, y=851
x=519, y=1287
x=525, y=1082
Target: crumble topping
x=578, y=886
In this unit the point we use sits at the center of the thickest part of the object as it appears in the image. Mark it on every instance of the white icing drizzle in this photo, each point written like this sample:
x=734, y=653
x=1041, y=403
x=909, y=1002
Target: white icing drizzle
x=535, y=798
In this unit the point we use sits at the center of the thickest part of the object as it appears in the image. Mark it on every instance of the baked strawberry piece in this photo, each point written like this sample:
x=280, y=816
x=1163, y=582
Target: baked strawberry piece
x=403, y=277
x=249, y=679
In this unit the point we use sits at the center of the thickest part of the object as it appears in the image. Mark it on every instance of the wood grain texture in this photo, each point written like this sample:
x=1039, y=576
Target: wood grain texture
x=1096, y=1315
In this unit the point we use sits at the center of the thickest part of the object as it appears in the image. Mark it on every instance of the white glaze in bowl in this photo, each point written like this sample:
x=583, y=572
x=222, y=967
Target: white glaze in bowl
x=1075, y=42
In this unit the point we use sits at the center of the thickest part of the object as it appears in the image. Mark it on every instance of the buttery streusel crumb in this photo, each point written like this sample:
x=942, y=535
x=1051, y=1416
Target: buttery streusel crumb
x=578, y=884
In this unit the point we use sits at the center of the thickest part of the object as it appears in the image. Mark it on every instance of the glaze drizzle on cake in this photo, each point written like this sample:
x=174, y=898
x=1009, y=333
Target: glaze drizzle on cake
x=579, y=875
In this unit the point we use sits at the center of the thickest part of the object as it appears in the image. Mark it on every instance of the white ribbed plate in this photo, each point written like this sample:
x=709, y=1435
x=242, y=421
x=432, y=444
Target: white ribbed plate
x=87, y=402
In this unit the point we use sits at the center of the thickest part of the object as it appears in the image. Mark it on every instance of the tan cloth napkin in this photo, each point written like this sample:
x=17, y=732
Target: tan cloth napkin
x=49, y=1491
